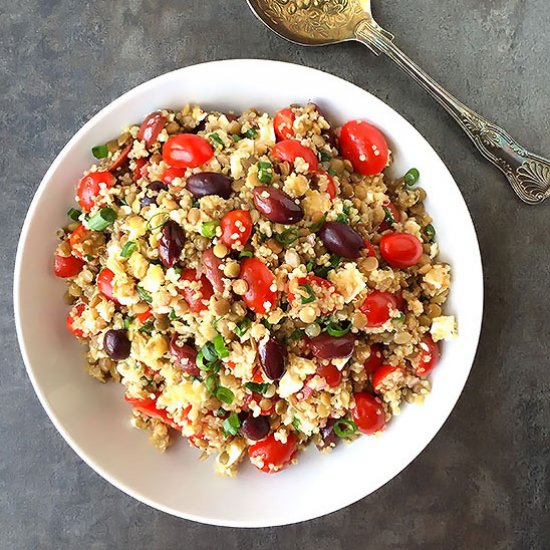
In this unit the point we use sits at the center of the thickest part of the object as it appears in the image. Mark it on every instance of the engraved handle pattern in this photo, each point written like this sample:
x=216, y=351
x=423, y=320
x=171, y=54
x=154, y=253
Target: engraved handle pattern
x=528, y=174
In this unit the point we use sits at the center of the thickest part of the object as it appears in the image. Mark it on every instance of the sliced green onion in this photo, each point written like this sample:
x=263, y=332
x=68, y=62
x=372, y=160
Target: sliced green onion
x=196, y=203
x=102, y=220
x=344, y=428
x=128, y=321
x=157, y=220
x=337, y=330
x=220, y=412
x=389, y=216
x=246, y=254
x=310, y=294
x=177, y=269
x=128, y=249
x=89, y=257
x=100, y=151
x=147, y=328
x=209, y=352
x=323, y=271
x=231, y=424
x=430, y=232
x=332, y=172
x=215, y=321
x=242, y=327
x=411, y=177
x=208, y=229
x=236, y=137
x=324, y=156
x=144, y=295
x=220, y=347
x=74, y=214
x=288, y=236
x=211, y=383
x=314, y=227
x=265, y=171
x=217, y=140
x=172, y=315
x=256, y=387
x=344, y=216
x=401, y=318
x=296, y=423
x=296, y=334
x=309, y=266
x=251, y=133
x=225, y=395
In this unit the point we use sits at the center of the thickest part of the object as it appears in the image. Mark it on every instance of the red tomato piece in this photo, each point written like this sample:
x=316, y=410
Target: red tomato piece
x=142, y=317
x=67, y=266
x=364, y=146
x=170, y=173
x=331, y=374
x=148, y=407
x=141, y=170
x=151, y=127
x=377, y=307
x=326, y=288
x=331, y=186
x=122, y=158
x=105, y=283
x=400, y=250
x=384, y=375
x=429, y=356
x=289, y=150
x=375, y=359
x=368, y=413
x=75, y=312
x=259, y=297
x=186, y=151
x=283, y=123
x=236, y=228
x=89, y=186
x=270, y=455
x=76, y=237
x=395, y=214
x=371, y=251
x=194, y=296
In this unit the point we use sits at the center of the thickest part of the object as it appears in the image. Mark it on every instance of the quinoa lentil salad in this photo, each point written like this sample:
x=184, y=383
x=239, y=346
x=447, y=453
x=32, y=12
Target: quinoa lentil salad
x=256, y=283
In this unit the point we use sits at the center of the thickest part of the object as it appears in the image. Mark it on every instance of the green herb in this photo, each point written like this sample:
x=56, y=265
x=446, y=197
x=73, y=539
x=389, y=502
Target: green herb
x=172, y=315
x=314, y=227
x=332, y=172
x=296, y=423
x=220, y=347
x=344, y=216
x=337, y=330
x=123, y=201
x=144, y=295
x=242, y=327
x=88, y=257
x=128, y=321
x=102, y=220
x=344, y=428
x=211, y=383
x=256, y=387
x=236, y=137
x=208, y=229
x=74, y=214
x=220, y=412
x=324, y=156
x=310, y=265
x=225, y=395
x=209, y=352
x=266, y=323
x=217, y=140
x=288, y=236
x=196, y=203
x=215, y=321
x=310, y=294
x=430, y=232
x=100, y=151
x=128, y=249
x=411, y=177
x=389, y=216
x=400, y=319
x=323, y=271
x=177, y=269
x=157, y=220
x=265, y=171
x=251, y=133
x=147, y=328
x=195, y=378
x=296, y=335
x=246, y=254
x=231, y=424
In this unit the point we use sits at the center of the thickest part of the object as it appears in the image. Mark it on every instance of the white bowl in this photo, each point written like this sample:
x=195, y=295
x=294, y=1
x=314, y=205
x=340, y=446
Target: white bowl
x=93, y=418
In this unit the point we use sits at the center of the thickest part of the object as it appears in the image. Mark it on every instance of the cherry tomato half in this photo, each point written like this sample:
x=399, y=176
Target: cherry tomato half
x=89, y=186
x=236, y=228
x=186, y=151
x=259, y=297
x=283, y=123
x=76, y=237
x=331, y=374
x=289, y=150
x=371, y=251
x=395, y=214
x=151, y=127
x=76, y=312
x=270, y=455
x=142, y=317
x=331, y=186
x=375, y=359
x=105, y=283
x=429, y=356
x=400, y=250
x=320, y=287
x=148, y=407
x=67, y=266
x=377, y=307
x=368, y=413
x=196, y=296
x=122, y=158
x=384, y=375
x=141, y=170
x=170, y=173
x=364, y=146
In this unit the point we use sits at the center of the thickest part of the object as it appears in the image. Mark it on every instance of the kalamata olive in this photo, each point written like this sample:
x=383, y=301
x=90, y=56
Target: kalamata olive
x=184, y=356
x=273, y=358
x=277, y=206
x=231, y=116
x=170, y=243
x=255, y=428
x=341, y=239
x=326, y=346
x=211, y=267
x=209, y=183
x=328, y=437
x=151, y=192
x=200, y=127
x=116, y=344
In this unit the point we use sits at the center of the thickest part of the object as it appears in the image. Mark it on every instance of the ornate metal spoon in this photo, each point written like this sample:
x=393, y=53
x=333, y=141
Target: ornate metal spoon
x=321, y=22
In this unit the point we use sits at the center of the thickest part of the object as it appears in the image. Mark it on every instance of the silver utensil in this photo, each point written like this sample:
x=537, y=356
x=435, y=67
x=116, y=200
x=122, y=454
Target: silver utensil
x=322, y=22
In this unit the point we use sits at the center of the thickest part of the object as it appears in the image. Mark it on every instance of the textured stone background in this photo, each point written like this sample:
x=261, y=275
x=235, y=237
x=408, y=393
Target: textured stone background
x=484, y=481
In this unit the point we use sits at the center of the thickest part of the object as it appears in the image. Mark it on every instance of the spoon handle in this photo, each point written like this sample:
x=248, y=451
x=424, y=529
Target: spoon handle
x=528, y=174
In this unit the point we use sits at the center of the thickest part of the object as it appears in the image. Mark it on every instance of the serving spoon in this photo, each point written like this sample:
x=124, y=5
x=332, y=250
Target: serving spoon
x=322, y=22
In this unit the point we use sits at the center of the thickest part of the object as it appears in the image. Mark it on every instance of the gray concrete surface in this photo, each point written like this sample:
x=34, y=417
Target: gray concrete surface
x=484, y=481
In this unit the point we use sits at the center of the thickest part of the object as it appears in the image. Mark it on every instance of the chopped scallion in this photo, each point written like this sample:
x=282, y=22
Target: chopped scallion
x=236, y=137
x=344, y=428
x=225, y=395
x=128, y=321
x=310, y=294
x=389, y=216
x=100, y=151
x=220, y=347
x=208, y=229
x=332, y=172
x=128, y=249
x=102, y=220
x=251, y=133
x=296, y=423
x=143, y=294
x=337, y=330
x=430, y=232
x=288, y=236
x=157, y=220
x=242, y=327
x=324, y=156
x=74, y=214
x=265, y=171
x=411, y=177
x=172, y=315
x=147, y=328
x=314, y=227
x=217, y=140
x=231, y=424
x=257, y=387
x=246, y=254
